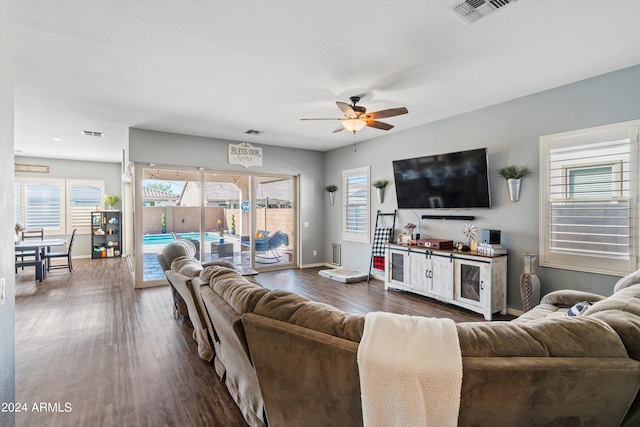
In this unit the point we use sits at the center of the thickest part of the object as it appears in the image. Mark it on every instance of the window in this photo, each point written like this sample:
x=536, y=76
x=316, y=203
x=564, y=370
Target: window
x=356, y=204
x=84, y=197
x=588, y=191
x=57, y=205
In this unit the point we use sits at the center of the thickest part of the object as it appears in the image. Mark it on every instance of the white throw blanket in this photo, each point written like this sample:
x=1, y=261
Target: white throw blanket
x=410, y=371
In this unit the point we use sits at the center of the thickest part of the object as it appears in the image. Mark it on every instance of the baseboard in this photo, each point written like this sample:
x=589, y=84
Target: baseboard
x=315, y=265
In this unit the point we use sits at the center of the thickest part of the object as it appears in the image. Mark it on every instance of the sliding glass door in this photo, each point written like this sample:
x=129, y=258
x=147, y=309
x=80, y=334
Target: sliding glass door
x=248, y=220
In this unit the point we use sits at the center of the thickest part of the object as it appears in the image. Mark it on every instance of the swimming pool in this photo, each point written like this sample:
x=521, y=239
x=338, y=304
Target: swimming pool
x=163, y=239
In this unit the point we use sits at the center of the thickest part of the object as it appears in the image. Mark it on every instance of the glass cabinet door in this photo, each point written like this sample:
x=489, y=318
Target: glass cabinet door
x=469, y=281
x=397, y=267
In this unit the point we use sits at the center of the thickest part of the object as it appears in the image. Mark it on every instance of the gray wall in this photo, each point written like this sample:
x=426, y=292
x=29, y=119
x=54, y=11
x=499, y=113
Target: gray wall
x=111, y=173
x=511, y=132
x=184, y=150
x=7, y=305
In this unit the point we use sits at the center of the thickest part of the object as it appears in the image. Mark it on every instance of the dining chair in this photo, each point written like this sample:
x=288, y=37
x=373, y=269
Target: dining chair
x=29, y=233
x=49, y=256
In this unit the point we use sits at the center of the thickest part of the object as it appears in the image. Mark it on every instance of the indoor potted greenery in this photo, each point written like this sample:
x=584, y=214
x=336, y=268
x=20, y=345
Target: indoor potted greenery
x=380, y=185
x=331, y=189
x=514, y=174
x=110, y=200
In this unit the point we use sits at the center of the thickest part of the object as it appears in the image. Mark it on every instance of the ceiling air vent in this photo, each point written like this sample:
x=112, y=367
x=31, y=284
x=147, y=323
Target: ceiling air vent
x=92, y=133
x=254, y=132
x=473, y=10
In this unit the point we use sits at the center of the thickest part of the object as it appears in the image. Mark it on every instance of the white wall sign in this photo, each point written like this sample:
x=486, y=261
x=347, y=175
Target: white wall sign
x=245, y=154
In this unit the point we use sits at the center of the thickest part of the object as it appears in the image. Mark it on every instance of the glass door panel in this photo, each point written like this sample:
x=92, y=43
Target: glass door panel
x=170, y=210
x=227, y=226
x=275, y=221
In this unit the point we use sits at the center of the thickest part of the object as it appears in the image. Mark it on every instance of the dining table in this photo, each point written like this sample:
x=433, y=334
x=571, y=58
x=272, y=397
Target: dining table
x=39, y=247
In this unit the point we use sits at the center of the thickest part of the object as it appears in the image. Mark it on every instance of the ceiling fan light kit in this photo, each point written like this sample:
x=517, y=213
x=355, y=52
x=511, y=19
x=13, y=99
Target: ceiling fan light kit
x=356, y=117
x=353, y=125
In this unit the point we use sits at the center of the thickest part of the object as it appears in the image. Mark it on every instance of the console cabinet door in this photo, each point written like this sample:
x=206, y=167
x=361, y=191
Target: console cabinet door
x=473, y=281
x=420, y=271
x=398, y=268
x=442, y=281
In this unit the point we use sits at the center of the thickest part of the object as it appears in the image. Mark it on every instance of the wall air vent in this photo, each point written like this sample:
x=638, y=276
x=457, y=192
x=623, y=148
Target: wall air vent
x=254, y=132
x=473, y=10
x=92, y=133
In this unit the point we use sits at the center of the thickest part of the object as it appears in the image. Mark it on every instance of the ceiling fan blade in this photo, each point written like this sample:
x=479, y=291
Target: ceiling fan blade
x=379, y=125
x=346, y=109
x=338, y=129
x=391, y=112
x=322, y=118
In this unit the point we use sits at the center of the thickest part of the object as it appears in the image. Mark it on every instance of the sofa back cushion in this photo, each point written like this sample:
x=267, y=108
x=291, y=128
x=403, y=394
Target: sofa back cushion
x=621, y=311
x=288, y=307
x=186, y=265
x=173, y=250
x=547, y=337
x=241, y=294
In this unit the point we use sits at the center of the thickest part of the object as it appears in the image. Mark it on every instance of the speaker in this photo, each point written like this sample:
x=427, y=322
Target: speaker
x=490, y=236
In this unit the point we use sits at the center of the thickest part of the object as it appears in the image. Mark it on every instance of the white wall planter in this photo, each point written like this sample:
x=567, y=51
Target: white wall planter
x=332, y=197
x=380, y=195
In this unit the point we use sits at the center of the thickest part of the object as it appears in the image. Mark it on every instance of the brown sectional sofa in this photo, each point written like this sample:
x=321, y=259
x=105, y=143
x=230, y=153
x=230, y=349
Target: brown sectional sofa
x=288, y=361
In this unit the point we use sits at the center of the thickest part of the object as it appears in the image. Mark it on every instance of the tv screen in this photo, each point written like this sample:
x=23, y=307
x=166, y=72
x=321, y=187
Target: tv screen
x=443, y=181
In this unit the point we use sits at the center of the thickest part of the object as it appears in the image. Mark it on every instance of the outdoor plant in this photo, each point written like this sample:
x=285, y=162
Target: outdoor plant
x=381, y=183
x=164, y=223
x=331, y=188
x=514, y=171
x=233, y=224
x=110, y=200
x=220, y=229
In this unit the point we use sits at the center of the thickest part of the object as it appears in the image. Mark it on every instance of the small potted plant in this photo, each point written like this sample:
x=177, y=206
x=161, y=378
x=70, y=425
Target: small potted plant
x=380, y=185
x=110, y=200
x=233, y=225
x=331, y=189
x=163, y=221
x=514, y=174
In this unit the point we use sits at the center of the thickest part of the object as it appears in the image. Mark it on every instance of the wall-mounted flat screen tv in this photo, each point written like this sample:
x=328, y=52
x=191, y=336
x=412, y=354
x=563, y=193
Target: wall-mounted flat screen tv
x=457, y=180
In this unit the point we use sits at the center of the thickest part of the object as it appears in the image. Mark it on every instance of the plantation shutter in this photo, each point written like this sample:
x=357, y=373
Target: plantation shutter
x=43, y=206
x=84, y=197
x=356, y=204
x=589, y=198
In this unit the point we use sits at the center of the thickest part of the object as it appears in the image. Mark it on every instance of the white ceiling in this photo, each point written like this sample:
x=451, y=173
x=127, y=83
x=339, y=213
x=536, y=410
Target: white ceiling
x=220, y=68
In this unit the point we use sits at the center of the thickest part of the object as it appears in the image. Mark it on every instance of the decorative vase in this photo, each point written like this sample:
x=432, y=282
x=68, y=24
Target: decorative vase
x=529, y=282
x=380, y=195
x=221, y=241
x=332, y=197
x=513, y=185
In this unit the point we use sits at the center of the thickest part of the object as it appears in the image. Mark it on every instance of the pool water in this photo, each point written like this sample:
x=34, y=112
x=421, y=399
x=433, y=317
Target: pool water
x=163, y=239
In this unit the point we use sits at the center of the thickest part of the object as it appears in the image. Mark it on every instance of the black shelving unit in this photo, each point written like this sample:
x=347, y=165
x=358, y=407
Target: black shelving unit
x=106, y=234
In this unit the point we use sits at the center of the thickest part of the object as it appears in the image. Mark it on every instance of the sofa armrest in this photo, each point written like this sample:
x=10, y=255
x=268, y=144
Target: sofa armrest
x=569, y=298
x=547, y=390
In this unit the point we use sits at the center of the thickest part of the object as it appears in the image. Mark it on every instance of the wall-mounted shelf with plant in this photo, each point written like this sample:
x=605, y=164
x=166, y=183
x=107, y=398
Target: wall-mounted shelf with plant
x=514, y=174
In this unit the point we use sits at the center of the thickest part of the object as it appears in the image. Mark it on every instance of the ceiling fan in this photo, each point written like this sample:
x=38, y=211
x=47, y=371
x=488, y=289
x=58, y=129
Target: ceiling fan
x=356, y=117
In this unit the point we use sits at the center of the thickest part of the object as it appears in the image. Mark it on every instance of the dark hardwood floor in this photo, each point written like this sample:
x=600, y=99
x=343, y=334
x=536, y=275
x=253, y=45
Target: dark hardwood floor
x=98, y=352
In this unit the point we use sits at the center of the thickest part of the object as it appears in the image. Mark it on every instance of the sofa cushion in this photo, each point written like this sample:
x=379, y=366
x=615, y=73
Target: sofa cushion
x=241, y=294
x=625, y=282
x=186, y=265
x=621, y=311
x=173, y=250
x=548, y=337
x=292, y=308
